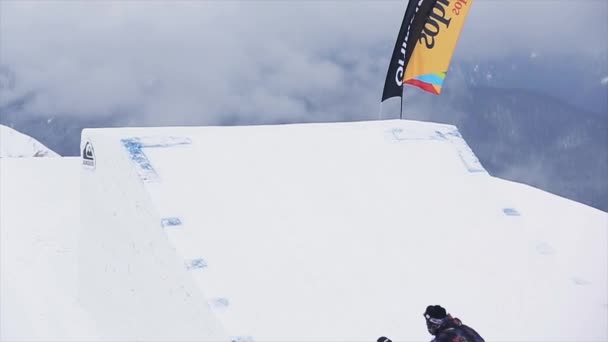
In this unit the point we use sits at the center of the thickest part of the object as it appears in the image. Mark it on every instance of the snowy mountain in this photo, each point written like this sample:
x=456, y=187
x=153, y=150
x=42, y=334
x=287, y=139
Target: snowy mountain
x=531, y=138
x=16, y=145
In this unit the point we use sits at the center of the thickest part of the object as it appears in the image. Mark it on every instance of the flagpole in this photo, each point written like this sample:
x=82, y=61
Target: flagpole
x=401, y=107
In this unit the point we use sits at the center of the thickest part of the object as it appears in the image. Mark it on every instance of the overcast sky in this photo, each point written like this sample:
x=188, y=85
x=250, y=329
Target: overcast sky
x=215, y=62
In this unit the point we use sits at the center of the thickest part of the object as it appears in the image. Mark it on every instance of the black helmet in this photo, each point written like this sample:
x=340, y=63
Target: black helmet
x=435, y=317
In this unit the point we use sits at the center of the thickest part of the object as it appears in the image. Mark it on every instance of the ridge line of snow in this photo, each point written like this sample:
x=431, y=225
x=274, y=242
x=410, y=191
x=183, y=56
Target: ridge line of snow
x=14, y=144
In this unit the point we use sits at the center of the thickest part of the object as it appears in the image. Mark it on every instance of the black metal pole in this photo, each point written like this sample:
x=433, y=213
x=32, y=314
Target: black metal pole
x=401, y=107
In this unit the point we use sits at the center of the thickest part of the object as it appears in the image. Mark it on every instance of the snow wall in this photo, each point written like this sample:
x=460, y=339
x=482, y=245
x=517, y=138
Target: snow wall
x=327, y=232
x=131, y=279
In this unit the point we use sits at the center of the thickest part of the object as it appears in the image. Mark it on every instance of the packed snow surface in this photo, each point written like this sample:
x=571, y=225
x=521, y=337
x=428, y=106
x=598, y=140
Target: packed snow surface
x=312, y=232
x=39, y=222
x=15, y=144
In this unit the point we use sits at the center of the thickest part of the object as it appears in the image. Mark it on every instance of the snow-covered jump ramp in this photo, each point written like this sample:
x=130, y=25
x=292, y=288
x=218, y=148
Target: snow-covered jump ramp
x=327, y=232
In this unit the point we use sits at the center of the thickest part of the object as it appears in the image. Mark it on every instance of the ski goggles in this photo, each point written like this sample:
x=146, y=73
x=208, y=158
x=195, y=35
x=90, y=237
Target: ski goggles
x=437, y=321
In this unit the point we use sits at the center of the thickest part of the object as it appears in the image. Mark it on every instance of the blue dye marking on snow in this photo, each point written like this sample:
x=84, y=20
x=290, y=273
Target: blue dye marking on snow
x=196, y=264
x=135, y=146
x=468, y=157
x=511, y=212
x=440, y=135
x=544, y=248
x=220, y=303
x=241, y=339
x=399, y=135
x=470, y=161
x=144, y=167
x=396, y=132
x=450, y=135
x=580, y=281
x=170, y=222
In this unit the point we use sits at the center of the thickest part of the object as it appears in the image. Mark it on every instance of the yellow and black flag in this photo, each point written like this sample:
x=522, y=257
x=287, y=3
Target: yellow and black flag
x=425, y=45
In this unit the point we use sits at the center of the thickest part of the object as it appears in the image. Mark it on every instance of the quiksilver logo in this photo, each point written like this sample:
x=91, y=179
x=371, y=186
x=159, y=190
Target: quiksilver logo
x=401, y=69
x=88, y=155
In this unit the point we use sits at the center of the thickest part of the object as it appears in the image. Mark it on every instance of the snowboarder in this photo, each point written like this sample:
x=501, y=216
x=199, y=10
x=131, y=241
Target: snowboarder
x=446, y=328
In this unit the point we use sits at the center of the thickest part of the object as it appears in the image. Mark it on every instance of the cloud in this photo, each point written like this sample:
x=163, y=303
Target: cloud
x=213, y=62
x=496, y=27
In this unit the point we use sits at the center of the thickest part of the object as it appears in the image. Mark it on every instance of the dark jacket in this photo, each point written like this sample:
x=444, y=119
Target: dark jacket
x=454, y=331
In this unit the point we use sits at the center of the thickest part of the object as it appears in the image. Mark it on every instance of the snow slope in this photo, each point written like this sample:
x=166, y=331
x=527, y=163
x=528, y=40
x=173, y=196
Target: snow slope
x=315, y=232
x=344, y=231
x=15, y=144
x=39, y=227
